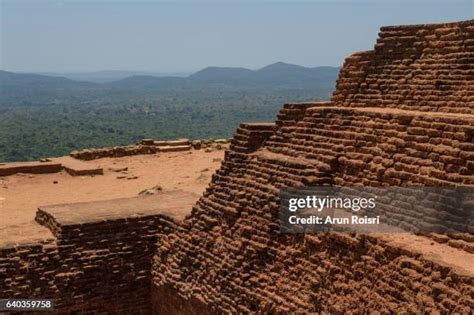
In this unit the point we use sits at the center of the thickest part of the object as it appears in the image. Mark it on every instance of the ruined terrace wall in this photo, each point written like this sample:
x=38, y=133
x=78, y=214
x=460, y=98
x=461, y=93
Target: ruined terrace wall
x=422, y=67
x=233, y=258
x=100, y=266
x=378, y=130
x=376, y=147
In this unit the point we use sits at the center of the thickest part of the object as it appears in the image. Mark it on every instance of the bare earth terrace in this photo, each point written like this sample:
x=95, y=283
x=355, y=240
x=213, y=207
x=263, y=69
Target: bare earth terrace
x=21, y=194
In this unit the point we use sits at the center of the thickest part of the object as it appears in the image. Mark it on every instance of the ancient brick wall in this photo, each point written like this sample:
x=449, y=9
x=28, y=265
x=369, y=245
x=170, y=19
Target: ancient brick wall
x=149, y=146
x=402, y=115
x=27, y=269
x=7, y=169
x=291, y=113
x=377, y=131
x=99, y=260
x=101, y=267
x=422, y=67
x=374, y=147
x=233, y=257
x=250, y=136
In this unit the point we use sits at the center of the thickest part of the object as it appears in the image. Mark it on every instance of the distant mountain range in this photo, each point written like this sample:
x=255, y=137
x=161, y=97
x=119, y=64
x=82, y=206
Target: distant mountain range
x=277, y=74
x=26, y=88
x=106, y=76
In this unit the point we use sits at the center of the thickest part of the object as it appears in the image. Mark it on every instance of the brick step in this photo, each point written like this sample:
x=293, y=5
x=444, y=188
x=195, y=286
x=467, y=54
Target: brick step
x=172, y=143
x=174, y=148
x=7, y=169
x=77, y=167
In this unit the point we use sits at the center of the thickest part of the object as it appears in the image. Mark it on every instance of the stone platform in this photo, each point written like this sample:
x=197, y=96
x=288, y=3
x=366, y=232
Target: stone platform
x=78, y=168
x=100, y=255
x=175, y=204
x=7, y=169
x=71, y=165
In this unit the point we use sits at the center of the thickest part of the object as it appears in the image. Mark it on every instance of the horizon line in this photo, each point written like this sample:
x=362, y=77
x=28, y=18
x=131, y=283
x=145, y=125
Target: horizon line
x=159, y=71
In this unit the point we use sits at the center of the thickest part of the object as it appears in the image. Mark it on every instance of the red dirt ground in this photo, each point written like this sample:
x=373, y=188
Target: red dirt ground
x=22, y=194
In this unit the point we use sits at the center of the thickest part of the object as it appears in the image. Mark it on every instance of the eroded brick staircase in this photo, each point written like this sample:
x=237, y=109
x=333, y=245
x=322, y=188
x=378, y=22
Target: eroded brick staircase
x=402, y=115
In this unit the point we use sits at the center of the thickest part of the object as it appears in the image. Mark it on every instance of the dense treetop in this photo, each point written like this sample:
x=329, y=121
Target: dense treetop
x=43, y=116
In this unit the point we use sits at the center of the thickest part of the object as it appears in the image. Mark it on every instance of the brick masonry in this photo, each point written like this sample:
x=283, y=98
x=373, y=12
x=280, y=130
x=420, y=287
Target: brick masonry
x=402, y=114
x=149, y=146
x=7, y=169
x=99, y=260
x=422, y=67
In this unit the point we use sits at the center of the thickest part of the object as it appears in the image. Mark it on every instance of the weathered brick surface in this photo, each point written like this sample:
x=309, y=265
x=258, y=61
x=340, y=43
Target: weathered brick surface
x=233, y=258
x=103, y=267
x=374, y=146
x=134, y=149
x=422, y=67
x=100, y=261
x=7, y=169
x=250, y=136
x=401, y=116
x=148, y=146
x=27, y=270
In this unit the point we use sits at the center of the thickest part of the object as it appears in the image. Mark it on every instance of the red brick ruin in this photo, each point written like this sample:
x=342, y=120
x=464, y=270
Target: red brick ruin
x=402, y=115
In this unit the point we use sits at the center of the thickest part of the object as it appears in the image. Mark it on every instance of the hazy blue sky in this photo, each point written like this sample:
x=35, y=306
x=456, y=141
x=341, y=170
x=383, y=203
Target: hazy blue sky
x=184, y=36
